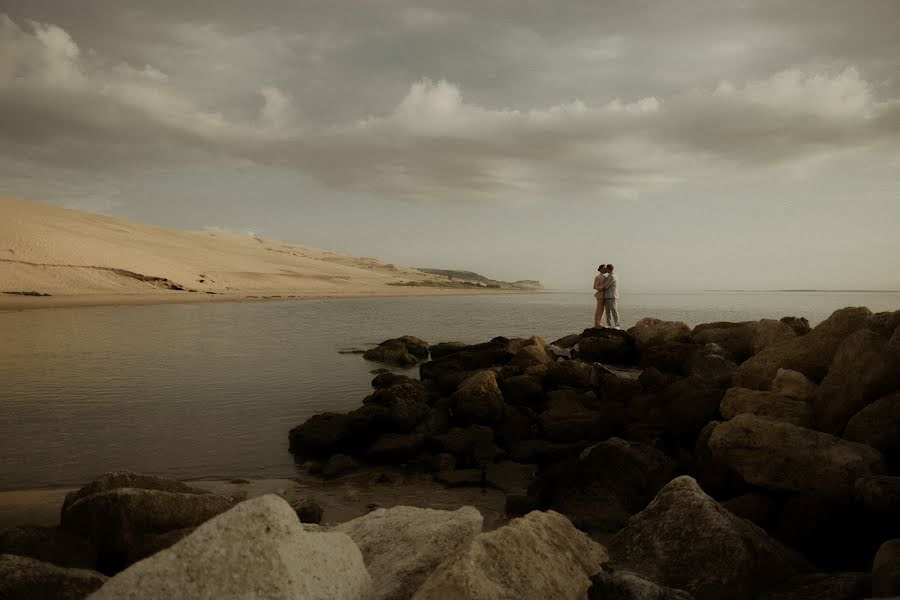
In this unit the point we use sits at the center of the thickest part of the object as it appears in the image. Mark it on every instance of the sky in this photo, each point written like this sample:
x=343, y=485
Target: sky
x=700, y=144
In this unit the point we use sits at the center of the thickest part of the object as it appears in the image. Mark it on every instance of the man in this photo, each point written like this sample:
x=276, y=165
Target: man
x=611, y=297
x=598, y=285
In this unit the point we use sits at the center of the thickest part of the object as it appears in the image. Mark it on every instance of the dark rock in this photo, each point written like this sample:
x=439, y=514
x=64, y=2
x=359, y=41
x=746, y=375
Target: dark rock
x=27, y=578
x=510, y=476
x=519, y=504
x=115, y=480
x=766, y=404
x=442, y=461
x=470, y=445
x=886, y=570
x=49, y=544
x=404, y=404
x=690, y=404
x=758, y=507
x=650, y=332
x=438, y=420
x=337, y=465
x=612, y=388
x=568, y=420
x=326, y=433
x=461, y=478
x=567, y=341
x=655, y=380
x=604, y=345
x=823, y=586
x=387, y=379
x=445, y=349
x=799, y=324
x=671, y=357
x=403, y=352
x=149, y=544
x=517, y=424
x=879, y=495
x=735, y=338
x=684, y=528
x=569, y=373
x=625, y=585
x=810, y=354
x=308, y=510
x=543, y=452
x=770, y=332
x=396, y=447
x=526, y=390
x=478, y=400
x=878, y=425
x=534, y=352
x=714, y=368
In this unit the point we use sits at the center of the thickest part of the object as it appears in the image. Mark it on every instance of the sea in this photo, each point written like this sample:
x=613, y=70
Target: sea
x=210, y=390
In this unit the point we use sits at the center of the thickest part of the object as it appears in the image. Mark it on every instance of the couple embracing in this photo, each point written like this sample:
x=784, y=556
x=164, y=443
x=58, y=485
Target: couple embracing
x=607, y=296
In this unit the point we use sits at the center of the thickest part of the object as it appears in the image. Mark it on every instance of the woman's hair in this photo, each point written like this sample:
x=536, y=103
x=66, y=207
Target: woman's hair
x=601, y=267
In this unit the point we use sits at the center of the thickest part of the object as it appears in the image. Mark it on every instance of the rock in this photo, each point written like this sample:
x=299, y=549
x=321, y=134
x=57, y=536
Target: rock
x=115, y=480
x=388, y=379
x=440, y=462
x=823, y=586
x=308, y=510
x=878, y=425
x=569, y=373
x=769, y=332
x=625, y=585
x=519, y=423
x=810, y=354
x=269, y=555
x=766, y=404
x=543, y=452
x=401, y=546
x=518, y=505
x=757, y=507
x=449, y=371
x=117, y=519
x=49, y=544
x=793, y=385
x=326, y=433
x=713, y=474
x=735, y=338
x=445, y=349
x=655, y=380
x=880, y=495
x=337, y=465
x=470, y=445
x=404, y=404
x=799, y=324
x=781, y=456
x=29, y=578
x=683, y=528
x=671, y=357
x=526, y=390
x=535, y=352
x=567, y=341
x=402, y=352
x=509, y=476
x=568, y=420
x=886, y=570
x=608, y=346
x=438, y=420
x=650, y=331
x=478, y=400
x=863, y=370
x=461, y=478
x=396, y=447
x=714, y=368
x=538, y=556
x=690, y=404
x=605, y=485
x=150, y=544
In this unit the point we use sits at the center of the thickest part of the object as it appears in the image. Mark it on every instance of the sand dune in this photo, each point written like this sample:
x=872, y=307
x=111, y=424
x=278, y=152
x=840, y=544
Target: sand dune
x=81, y=258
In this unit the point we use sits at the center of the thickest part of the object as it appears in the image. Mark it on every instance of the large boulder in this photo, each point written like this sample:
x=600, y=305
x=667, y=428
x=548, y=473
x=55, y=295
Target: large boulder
x=671, y=357
x=686, y=540
x=735, y=338
x=878, y=425
x=603, y=345
x=49, y=544
x=782, y=456
x=478, y=400
x=793, y=384
x=527, y=390
x=865, y=368
x=690, y=404
x=650, y=331
x=569, y=373
x=533, y=352
x=800, y=325
x=405, y=351
x=810, y=354
x=401, y=546
x=404, y=404
x=538, y=556
x=711, y=367
x=823, y=586
x=115, y=480
x=258, y=549
x=568, y=419
x=766, y=404
x=445, y=349
x=326, y=433
x=396, y=447
x=769, y=332
x=450, y=370
x=886, y=570
x=24, y=578
x=625, y=585
x=471, y=446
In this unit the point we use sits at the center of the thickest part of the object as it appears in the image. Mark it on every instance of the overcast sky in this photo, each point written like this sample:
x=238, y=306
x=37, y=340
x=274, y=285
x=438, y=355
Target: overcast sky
x=699, y=144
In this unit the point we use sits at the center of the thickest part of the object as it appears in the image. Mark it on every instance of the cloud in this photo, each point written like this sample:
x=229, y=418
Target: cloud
x=69, y=107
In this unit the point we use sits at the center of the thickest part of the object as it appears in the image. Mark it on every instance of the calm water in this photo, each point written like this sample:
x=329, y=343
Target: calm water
x=198, y=390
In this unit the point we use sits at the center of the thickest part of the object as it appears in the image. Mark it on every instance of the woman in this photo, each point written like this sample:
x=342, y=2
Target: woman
x=599, y=280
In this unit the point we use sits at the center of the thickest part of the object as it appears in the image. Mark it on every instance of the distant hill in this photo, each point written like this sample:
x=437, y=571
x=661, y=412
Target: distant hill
x=476, y=280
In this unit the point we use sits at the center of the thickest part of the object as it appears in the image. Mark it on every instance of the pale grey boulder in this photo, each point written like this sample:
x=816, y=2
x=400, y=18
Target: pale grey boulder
x=793, y=384
x=24, y=578
x=686, y=540
x=781, y=456
x=536, y=557
x=766, y=404
x=258, y=550
x=402, y=546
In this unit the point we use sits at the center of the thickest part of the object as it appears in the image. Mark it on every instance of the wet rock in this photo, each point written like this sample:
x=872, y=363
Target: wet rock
x=625, y=585
x=326, y=433
x=766, y=404
x=569, y=373
x=388, y=379
x=538, y=556
x=404, y=405
x=683, y=528
x=269, y=556
x=338, y=465
x=478, y=400
x=886, y=570
x=823, y=586
x=781, y=456
x=24, y=577
x=402, y=546
x=445, y=349
x=793, y=384
x=650, y=331
x=402, y=352
x=769, y=332
x=799, y=324
x=567, y=341
x=878, y=425
x=608, y=346
x=49, y=544
x=810, y=354
x=396, y=447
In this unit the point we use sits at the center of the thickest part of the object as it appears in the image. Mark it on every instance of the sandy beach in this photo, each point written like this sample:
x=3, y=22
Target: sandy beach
x=83, y=259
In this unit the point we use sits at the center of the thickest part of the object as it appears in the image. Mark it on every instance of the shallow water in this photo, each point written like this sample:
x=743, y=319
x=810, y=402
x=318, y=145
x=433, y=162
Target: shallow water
x=211, y=390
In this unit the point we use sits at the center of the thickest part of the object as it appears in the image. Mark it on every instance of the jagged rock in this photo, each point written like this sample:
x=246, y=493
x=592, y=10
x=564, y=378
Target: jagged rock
x=326, y=433
x=396, y=447
x=49, y=544
x=781, y=456
x=609, y=346
x=308, y=510
x=605, y=485
x=478, y=400
x=793, y=384
x=337, y=465
x=886, y=570
x=625, y=585
x=538, y=556
x=684, y=528
x=445, y=349
x=878, y=425
x=404, y=404
x=650, y=331
x=799, y=324
x=117, y=519
x=402, y=546
x=810, y=354
x=766, y=404
x=735, y=338
x=769, y=332
x=470, y=445
x=864, y=369
x=823, y=586
x=405, y=351
x=23, y=578
x=569, y=373
x=269, y=555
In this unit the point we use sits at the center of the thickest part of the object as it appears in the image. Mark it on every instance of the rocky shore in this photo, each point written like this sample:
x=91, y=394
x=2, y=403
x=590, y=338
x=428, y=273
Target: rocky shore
x=754, y=460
